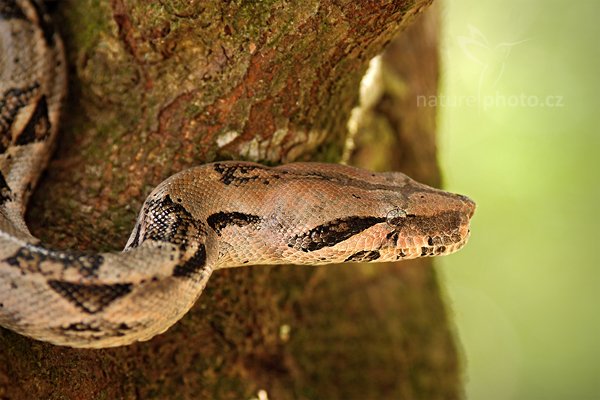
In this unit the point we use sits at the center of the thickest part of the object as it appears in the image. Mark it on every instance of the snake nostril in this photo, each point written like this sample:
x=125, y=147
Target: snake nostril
x=468, y=205
x=472, y=207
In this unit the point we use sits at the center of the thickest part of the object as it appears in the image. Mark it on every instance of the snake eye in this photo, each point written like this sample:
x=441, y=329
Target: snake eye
x=395, y=217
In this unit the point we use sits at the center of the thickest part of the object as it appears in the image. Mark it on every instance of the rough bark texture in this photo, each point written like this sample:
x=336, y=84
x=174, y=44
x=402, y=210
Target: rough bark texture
x=157, y=86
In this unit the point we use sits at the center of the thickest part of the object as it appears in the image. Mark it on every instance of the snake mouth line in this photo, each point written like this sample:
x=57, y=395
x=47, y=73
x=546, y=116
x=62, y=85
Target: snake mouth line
x=444, y=250
x=431, y=251
x=434, y=248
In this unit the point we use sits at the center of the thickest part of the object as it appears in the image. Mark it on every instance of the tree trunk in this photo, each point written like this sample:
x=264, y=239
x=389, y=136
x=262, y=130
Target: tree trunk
x=158, y=86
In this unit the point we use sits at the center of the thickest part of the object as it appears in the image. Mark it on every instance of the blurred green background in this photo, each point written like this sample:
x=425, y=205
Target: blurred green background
x=519, y=133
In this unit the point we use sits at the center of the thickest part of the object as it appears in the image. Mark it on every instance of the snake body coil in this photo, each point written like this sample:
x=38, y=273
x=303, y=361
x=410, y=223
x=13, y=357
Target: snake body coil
x=219, y=215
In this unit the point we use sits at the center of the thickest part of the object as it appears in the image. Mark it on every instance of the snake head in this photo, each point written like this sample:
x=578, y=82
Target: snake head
x=425, y=221
x=343, y=214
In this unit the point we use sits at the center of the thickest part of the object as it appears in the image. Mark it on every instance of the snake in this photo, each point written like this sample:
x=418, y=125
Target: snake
x=218, y=215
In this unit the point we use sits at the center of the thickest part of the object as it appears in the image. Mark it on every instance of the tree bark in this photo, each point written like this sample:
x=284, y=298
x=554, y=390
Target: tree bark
x=158, y=86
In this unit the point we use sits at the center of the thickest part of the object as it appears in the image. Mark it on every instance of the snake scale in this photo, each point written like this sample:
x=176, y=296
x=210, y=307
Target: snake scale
x=219, y=215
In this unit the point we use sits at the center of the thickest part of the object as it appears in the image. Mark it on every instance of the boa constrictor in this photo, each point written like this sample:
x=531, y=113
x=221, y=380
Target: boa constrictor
x=219, y=215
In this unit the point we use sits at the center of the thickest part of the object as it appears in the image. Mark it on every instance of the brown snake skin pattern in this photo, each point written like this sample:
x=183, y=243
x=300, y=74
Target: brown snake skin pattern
x=219, y=215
